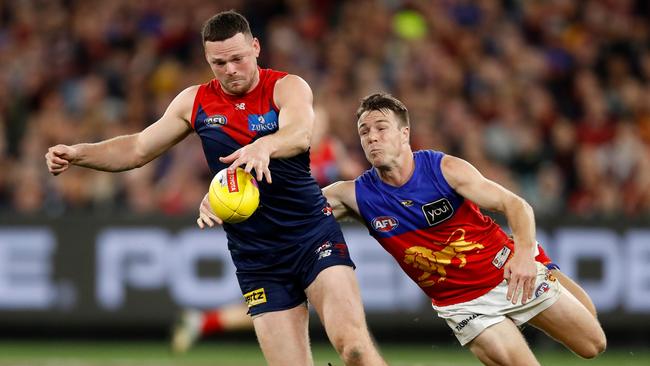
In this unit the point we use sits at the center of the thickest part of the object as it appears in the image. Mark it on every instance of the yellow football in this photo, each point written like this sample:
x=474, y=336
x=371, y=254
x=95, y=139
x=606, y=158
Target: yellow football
x=233, y=195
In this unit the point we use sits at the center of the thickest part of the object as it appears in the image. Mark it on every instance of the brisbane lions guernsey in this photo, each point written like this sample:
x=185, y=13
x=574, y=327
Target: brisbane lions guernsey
x=291, y=208
x=441, y=240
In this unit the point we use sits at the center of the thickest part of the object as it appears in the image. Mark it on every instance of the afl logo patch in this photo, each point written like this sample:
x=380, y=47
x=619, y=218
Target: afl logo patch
x=216, y=120
x=542, y=288
x=384, y=223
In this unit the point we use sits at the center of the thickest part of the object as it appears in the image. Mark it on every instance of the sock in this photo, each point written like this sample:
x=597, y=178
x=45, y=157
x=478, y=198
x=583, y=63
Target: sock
x=212, y=322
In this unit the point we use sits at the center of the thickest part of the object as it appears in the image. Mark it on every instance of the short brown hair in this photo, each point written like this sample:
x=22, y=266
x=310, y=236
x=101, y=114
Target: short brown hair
x=384, y=102
x=225, y=25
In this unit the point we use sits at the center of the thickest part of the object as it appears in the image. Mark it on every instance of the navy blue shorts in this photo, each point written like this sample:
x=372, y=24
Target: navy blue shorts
x=277, y=280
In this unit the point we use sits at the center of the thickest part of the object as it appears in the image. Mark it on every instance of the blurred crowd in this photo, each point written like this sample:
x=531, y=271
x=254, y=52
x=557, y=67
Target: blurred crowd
x=550, y=98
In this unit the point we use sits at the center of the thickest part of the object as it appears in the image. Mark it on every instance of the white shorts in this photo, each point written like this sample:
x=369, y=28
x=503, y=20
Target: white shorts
x=468, y=319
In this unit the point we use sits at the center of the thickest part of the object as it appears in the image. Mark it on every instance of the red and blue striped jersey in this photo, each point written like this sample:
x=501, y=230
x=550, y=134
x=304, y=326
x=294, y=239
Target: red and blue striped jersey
x=439, y=238
x=291, y=207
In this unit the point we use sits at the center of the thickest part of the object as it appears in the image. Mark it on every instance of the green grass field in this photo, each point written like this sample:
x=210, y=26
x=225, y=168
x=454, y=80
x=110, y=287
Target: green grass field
x=138, y=353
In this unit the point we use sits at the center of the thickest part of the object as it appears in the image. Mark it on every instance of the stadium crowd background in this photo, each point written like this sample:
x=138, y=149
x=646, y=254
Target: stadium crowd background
x=549, y=98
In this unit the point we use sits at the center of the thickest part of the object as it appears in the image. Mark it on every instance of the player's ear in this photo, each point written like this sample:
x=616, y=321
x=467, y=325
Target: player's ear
x=256, y=47
x=406, y=132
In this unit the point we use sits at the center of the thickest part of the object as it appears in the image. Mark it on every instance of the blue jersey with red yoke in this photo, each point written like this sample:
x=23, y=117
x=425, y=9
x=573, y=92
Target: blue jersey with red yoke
x=291, y=208
x=439, y=238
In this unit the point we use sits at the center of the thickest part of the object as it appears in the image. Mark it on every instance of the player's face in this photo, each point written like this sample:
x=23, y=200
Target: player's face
x=381, y=137
x=234, y=62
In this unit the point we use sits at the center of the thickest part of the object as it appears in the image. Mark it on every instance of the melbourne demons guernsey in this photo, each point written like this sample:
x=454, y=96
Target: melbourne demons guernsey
x=291, y=208
x=441, y=240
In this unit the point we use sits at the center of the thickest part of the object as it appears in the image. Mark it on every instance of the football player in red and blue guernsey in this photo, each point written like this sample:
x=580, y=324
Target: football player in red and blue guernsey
x=423, y=208
x=292, y=249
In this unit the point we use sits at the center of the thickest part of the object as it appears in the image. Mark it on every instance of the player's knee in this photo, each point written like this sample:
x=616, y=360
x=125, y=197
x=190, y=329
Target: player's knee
x=594, y=347
x=495, y=352
x=352, y=355
x=351, y=350
x=496, y=356
x=599, y=343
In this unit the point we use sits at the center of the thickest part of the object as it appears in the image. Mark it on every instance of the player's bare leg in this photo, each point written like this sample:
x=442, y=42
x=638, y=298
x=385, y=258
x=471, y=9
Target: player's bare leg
x=502, y=344
x=573, y=325
x=283, y=336
x=335, y=296
x=575, y=290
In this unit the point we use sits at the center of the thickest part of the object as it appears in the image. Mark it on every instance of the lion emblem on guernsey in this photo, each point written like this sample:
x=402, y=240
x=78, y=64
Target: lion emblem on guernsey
x=430, y=261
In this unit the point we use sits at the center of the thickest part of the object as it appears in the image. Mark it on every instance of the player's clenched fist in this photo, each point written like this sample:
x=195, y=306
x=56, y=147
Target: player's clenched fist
x=58, y=158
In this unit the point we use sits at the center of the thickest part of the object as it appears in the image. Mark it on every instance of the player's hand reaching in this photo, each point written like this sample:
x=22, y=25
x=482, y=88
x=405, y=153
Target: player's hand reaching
x=58, y=158
x=206, y=216
x=520, y=272
x=253, y=156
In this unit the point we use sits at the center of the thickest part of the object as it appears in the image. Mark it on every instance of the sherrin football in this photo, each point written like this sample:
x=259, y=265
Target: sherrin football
x=233, y=195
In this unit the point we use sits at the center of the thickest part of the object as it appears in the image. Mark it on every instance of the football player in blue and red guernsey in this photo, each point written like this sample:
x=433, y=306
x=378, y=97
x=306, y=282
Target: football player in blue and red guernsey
x=423, y=208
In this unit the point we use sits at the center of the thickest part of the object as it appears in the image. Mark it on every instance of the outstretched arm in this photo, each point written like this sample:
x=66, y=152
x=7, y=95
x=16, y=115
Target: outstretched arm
x=294, y=98
x=343, y=199
x=128, y=151
x=470, y=183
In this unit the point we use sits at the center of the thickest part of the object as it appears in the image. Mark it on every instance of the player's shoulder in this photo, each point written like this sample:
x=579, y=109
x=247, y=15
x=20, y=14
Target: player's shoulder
x=183, y=103
x=188, y=94
x=272, y=74
x=280, y=78
x=291, y=88
x=427, y=159
x=291, y=82
x=428, y=154
x=450, y=162
x=365, y=178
